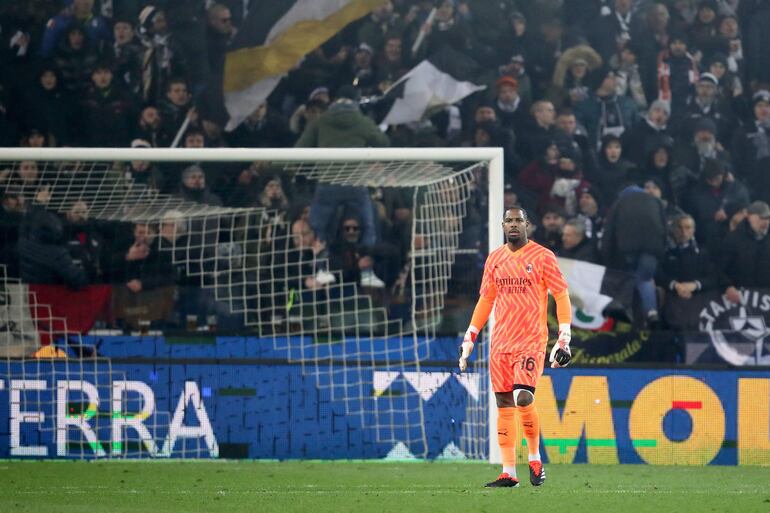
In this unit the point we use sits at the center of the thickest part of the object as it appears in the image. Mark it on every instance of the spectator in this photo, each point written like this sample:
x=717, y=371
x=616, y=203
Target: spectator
x=75, y=60
x=107, y=111
x=390, y=64
x=569, y=86
x=43, y=255
x=163, y=57
x=265, y=128
x=628, y=76
x=751, y=148
x=150, y=128
x=613, y=29
x=193, y=187
x=514, y=69
x=539, y=132
x=126, y=55
x=730, y=85
x=706, y=103
x=359, y=263
x=704, y=147
x=656, y=188
x=660, y=166
x=708, y=199
x=147, y=276
x=676, y=73
x=549, y=231
x=686, y=270
x=310, y=255
x=48, y=107
x=274, y=198
x=142, y=172
x=704, y=32
x=175, y=108
x=361, y=73
x=575, y=244
x=557, y=177
x=604, y=112
x=591, y=212
x=79, y=13
x=83, y=241
x=379, y=25
x=744, y=259
x=343, y=125
x=624, y=246
x=654, y=126
x=568, y=125
x=510, y=110
x=612, y=171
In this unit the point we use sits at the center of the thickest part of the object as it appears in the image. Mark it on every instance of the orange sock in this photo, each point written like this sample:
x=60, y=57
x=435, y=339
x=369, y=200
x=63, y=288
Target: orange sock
x=507, y=435
x=530, y=422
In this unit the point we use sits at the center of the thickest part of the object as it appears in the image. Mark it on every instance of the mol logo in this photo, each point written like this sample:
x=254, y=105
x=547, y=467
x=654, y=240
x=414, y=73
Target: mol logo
x=738, y=332
x=29, y=404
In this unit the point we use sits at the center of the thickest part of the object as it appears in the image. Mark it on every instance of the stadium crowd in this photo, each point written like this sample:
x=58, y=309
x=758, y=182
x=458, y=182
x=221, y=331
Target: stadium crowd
x=636, y=133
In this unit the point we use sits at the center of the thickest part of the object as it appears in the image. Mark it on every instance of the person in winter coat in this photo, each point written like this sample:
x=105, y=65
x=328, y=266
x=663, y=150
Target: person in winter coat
x=708, y=199
x=343, y=125
x=604, y=112
x=744, y=260
x=634, y=240
x=43, y=255
x=686, y=270
x=612, y=171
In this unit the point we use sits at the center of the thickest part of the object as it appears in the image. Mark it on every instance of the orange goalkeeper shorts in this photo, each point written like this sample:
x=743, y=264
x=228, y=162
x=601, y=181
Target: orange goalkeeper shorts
x=520, y=368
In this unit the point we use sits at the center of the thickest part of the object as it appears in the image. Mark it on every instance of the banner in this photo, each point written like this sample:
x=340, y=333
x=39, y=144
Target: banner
x=622, y=345
x=594, y=290
x=734, y=333
x=224, y=402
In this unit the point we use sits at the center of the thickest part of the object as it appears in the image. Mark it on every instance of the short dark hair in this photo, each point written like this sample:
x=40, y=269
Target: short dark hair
x=517, y=207
x=175, y=80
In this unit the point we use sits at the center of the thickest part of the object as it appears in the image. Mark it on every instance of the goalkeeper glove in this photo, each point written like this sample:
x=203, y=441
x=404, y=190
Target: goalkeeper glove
x=466, y=348
x=560, y=354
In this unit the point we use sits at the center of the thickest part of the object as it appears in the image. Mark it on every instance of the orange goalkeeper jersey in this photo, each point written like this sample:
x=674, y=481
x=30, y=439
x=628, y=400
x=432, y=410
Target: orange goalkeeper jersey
x=518, y=282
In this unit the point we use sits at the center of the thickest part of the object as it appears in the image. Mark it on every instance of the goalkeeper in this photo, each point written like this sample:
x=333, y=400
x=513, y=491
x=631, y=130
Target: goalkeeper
x=517, y=278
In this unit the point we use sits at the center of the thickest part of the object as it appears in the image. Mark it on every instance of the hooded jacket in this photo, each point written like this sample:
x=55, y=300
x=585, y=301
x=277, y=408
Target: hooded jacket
x=342, y=126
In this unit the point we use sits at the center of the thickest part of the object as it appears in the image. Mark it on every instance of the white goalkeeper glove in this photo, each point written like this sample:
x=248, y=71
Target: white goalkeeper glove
x=466, y=348
x=561, y=354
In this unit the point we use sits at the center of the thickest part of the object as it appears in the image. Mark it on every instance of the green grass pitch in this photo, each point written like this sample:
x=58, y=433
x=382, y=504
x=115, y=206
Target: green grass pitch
x=362, y=487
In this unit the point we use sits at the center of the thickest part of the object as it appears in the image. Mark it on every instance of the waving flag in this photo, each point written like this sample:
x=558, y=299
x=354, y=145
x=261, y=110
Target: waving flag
x=273, y=40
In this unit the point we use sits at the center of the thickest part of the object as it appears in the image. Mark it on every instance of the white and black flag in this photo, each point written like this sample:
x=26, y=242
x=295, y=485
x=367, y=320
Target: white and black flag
x=440, y=80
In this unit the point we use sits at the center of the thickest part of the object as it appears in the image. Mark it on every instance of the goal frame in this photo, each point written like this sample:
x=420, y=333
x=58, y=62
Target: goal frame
x=492, y=155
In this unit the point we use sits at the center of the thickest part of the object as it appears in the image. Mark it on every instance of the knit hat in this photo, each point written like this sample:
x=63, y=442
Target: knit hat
x=507, y=80
x=763, y=95
x=759, y=208
x=704, y=124
x=708, y=77
x=140, y=143
x=662, y=105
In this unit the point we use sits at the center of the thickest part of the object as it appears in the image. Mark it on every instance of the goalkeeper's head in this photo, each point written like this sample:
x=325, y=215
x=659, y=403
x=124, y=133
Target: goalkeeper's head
x=515, y=224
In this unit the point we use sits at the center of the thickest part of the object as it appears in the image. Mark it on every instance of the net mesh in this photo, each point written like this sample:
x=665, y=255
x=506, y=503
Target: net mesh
x=364, y=344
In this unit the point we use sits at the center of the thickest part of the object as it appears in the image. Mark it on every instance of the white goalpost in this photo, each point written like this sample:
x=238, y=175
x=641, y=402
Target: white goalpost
x=246, y=262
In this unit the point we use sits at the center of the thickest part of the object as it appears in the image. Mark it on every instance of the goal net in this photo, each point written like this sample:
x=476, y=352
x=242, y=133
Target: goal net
x=365, y=328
